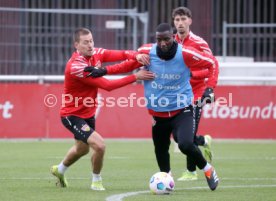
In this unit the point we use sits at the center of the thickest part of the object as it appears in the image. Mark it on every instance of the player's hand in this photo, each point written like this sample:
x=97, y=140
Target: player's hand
x=144, y=75
x=95, y=72
x=208, y=96
x=143, y=59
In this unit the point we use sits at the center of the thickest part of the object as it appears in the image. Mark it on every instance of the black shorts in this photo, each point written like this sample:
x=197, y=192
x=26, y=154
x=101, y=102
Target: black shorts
x=81, y=128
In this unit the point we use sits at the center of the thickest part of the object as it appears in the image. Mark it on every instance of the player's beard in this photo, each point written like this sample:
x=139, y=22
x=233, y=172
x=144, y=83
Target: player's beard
x=168, y=54
x=181, y=30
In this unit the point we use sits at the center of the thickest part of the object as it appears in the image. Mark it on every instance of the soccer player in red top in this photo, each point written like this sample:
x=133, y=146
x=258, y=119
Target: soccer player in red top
x=79, y=102
x=182, y=18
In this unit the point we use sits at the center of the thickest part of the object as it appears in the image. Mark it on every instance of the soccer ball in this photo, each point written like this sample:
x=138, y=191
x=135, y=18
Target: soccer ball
x=161, y=183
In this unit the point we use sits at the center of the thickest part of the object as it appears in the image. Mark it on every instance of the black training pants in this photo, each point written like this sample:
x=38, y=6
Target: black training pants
x=198, y=139
x=182, y=128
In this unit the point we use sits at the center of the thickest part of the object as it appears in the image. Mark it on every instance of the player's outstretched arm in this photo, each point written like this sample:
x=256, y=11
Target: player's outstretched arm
x=110, y=85
x=123, y=67
x=119, y=55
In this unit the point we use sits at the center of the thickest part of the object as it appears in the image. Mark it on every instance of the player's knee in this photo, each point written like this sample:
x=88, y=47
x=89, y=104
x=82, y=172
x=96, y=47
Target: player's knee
x=185, y=147
x=100, y=148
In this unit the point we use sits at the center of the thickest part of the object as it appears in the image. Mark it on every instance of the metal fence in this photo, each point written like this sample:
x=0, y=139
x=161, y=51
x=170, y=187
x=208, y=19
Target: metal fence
x=36, y=35
x=259, y=43
x=40, y=43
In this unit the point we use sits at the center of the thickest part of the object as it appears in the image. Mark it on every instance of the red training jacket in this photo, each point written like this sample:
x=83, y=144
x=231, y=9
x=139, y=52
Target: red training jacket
x=80, y=92
x=199, y=85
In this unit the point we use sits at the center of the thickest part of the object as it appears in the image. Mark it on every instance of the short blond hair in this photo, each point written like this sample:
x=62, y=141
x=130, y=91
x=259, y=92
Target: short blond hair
x=80, y=31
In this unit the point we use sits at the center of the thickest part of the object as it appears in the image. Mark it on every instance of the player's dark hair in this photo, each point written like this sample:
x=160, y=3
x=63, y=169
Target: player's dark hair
x=182, y=11
x=164, y=27
x=80, y=31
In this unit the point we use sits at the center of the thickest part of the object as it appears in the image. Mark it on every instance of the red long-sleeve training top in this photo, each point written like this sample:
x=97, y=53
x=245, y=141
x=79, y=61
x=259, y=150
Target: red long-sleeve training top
x=80, y=92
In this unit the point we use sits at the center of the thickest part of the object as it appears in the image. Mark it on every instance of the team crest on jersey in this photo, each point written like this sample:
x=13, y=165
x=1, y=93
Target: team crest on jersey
x=85, y=128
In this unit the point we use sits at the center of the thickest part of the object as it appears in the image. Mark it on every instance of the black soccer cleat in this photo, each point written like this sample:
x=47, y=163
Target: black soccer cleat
x=212, y=178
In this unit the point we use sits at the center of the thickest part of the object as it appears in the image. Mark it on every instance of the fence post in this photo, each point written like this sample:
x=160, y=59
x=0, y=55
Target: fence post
x=224, y=41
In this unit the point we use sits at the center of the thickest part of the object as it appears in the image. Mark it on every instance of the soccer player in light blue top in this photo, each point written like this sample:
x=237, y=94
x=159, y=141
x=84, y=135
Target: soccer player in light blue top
x=170, y=98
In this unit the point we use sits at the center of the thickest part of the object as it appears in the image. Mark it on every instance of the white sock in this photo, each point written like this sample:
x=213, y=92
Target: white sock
x=207, y=167
x=62, y=168
x=205, y=142
x=96, y=177
x=193, y=172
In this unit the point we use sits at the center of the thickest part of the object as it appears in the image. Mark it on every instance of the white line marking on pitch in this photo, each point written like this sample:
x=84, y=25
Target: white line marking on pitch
x=85, y=178
x=246, y=158
x=86, y=157
x=119, y=197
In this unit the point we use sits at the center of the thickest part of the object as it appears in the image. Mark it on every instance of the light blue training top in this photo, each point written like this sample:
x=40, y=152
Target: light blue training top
x=171, y=89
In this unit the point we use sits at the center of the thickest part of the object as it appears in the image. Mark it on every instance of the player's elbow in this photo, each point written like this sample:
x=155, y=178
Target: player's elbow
x=108, y=87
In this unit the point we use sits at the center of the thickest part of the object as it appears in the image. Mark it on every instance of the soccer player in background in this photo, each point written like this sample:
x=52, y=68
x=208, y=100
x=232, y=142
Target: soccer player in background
x=170, y=97
x=203, y=90
x=78, y=116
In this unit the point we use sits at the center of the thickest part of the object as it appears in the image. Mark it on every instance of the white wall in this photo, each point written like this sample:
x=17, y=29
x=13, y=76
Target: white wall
x=247, y=73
